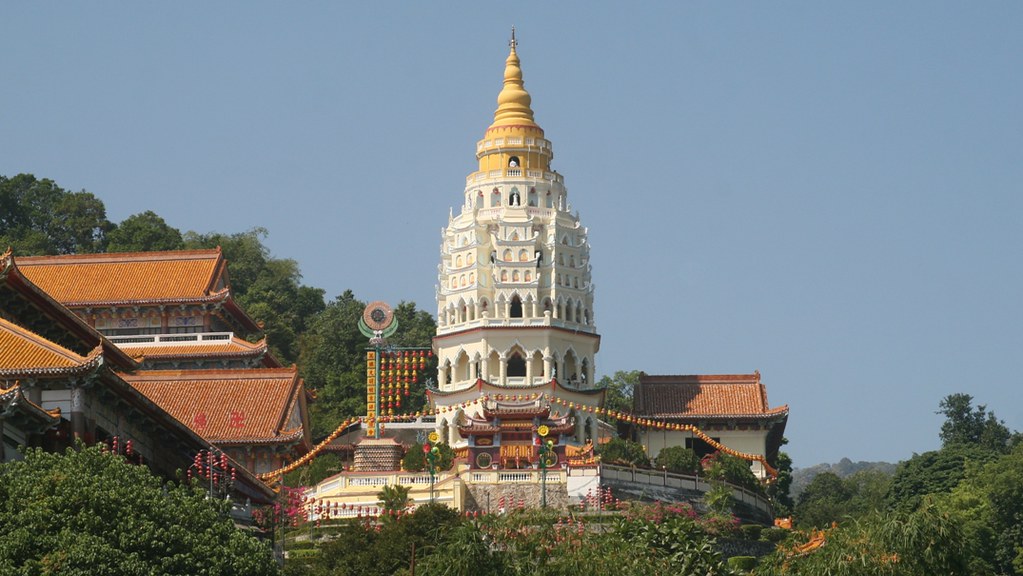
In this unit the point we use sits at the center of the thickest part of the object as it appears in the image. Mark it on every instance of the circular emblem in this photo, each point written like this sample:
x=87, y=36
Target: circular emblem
x=543, y=430
x=433, y=437
x=484, y=460
x=377, y=315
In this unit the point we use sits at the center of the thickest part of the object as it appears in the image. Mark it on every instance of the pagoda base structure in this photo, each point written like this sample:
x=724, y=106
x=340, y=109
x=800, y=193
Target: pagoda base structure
x=377, y=455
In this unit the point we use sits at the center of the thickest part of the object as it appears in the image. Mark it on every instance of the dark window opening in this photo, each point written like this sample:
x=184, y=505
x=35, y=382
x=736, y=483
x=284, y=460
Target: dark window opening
x=516, y=366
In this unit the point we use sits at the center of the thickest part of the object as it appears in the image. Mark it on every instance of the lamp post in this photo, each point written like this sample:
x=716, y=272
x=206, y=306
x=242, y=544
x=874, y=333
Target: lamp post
x=432, y=452
x=546, y=448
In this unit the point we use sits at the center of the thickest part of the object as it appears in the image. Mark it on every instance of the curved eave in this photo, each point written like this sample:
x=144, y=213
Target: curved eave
x=773, y=415
x=286, y=438
x=486, y=387
x=479, y=329
x=14, y=398
x=61, y=314
x=93, y=361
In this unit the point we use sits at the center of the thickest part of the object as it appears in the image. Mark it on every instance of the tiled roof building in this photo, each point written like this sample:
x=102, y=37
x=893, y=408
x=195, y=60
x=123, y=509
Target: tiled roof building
x=156, y=304
x=255, y=415
x=61, y=380
x=171, y=317
x=731, y=408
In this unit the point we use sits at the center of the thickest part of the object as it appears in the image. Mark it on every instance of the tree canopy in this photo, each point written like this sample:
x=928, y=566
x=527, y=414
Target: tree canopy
x=38, y=217
x=144, y=232
x=85, y=512
x=968, y=426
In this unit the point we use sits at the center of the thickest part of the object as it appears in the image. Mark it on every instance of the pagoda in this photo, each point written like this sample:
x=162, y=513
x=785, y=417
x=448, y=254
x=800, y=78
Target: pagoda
x=515, y=312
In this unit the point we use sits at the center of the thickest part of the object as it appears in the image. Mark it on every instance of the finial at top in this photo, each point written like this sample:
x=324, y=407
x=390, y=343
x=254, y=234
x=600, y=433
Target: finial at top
x=513, y=103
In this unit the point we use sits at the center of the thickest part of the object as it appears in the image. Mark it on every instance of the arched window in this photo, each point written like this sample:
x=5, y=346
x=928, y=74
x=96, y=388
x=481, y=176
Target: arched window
x=507, y=255
x=463, y=280
x=472, y=277
x=515, y=276
x=523, y=255
x=516, y=365
x=458, y=261
x=529, y=276
x=504, y=275
x=513, y=162
x=516, y=308
x=549, y=202
x=470, y=258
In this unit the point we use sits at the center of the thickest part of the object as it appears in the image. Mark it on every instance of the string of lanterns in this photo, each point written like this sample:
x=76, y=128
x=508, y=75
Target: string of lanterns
x=616, y=414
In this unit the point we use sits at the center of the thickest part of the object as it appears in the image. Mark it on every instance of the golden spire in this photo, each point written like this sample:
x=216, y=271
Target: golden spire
x=513, y=101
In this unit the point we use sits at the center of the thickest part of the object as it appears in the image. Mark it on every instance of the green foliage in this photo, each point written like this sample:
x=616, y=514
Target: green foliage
x=334, y=353
x=934, y=472
x=415, y=459
x=363, y=550
x=144, y=232
x=921, y=543
x=267, y=288
x=723, y=467
x=39, y=217
x=773, y=534
x=751, y=531
x=829, y=498
x=624, y=453
x=822, y=502
x=86, y=512
x=323, y=466
x=988, y=505
x=779, y=490
x=743, y=563
x=394, y=498
x=678, y=459
x=967, y=426
x=620, y=389
x=719, y=498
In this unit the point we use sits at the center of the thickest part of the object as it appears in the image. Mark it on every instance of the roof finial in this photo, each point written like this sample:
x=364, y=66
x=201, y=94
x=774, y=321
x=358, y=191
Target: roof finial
x=513, y=101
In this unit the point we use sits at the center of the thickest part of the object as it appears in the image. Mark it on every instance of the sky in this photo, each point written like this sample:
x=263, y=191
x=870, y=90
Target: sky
x=829, y=193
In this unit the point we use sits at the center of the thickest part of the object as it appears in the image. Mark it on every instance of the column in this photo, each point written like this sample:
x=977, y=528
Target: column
x=503, y=378
x=547, y=364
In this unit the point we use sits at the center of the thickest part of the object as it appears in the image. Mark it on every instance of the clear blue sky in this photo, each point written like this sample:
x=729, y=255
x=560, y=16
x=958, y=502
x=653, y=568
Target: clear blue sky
x=827, y=192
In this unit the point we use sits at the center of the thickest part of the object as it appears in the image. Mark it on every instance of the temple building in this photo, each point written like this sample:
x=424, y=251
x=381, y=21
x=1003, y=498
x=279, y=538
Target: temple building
x=62, y=381
x=731, y=408
x=514, y=295
x=170, y=310
x=173, y=314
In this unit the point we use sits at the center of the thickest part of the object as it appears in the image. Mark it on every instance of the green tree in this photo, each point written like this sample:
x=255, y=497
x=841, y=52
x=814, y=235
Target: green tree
x=620, y=388
x=144, y=232
x=779, y=490
x=678, y=459
x=415, y=459
x=268, y=288
x=823, y=501
x=39, y=217
x=970, y=426
x=394, y=498
x=333, y=359
x=988, y=504
x=925, y=542
x=934, y=472
x=624, y=453
x=87, y=512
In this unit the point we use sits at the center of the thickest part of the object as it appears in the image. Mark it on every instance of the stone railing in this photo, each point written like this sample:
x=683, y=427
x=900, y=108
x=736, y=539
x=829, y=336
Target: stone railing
x=681, y=482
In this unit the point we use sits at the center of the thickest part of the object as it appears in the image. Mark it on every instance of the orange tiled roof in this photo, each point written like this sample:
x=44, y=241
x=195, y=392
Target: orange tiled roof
x=24, y=353
x=702, y=396
x=240, y=406
x=233, y=348
x=130, y=277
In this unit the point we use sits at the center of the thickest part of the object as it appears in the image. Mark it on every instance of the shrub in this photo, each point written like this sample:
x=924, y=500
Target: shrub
x=744, y=563
x=751, y=531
